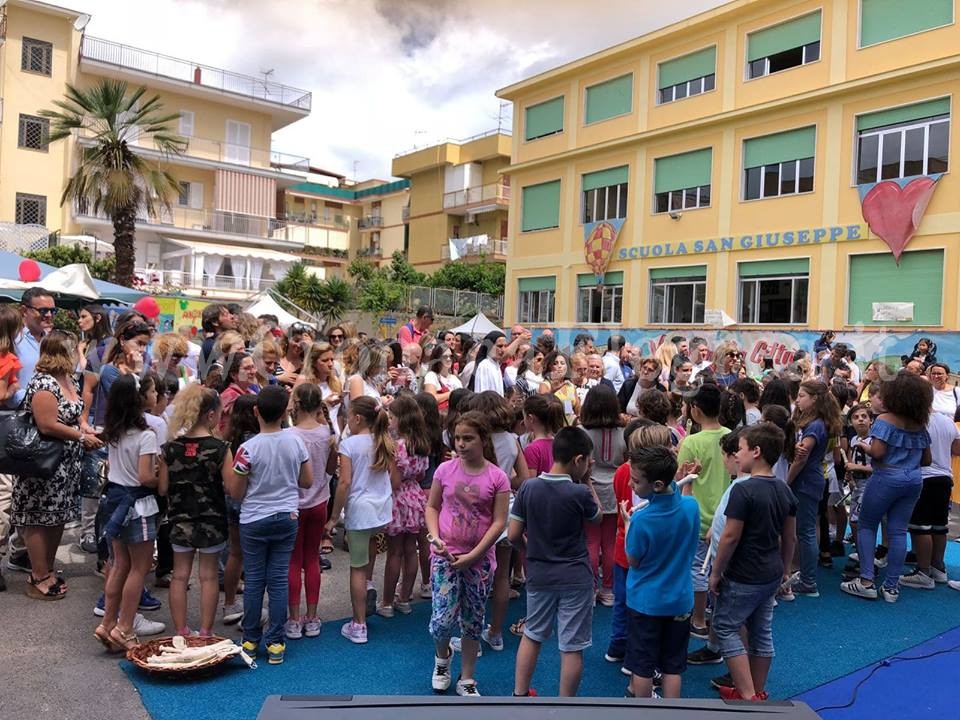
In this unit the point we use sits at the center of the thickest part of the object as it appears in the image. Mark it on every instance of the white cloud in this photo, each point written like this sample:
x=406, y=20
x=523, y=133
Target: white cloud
x=385, y=74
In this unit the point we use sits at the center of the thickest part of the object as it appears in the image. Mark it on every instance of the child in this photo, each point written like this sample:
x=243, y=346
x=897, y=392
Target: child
x=703, y=449
x=466, y=513
x=409, y=503
x=438, y=452
x=268, y=470
x=313, y=424
x=749, y=391
x=365, y=488
x=661, y=544
x=11, y=323
x=901, y=444
x=193, y=467
x=753, y=556
x=600, y=417
x=858, y=471
x=551, y=510
x=780, y=416
x=543, y=417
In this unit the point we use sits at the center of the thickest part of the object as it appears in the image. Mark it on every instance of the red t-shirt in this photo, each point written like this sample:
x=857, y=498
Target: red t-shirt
x=623, y=491
x=9, y=367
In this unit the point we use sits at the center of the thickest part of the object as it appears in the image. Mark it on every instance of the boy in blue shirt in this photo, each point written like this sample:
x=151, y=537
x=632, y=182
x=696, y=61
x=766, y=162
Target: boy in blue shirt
x=661, y=541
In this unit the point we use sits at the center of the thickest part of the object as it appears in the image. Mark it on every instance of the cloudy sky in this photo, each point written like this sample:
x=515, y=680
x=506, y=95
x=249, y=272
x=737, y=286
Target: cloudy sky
x=386, y=75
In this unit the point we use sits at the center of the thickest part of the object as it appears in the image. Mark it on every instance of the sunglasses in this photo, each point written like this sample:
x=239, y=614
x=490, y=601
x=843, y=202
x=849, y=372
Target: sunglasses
x=177, y=357
x=335, y=336
x=43, y=312
x=734, y=355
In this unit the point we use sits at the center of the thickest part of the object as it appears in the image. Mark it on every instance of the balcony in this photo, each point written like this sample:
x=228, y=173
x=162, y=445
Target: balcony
x=479, y=199
x=474, y=249
x=374, y=251
x=145, y=62
x=332, y=222
x=370, y=222
x=163, y=281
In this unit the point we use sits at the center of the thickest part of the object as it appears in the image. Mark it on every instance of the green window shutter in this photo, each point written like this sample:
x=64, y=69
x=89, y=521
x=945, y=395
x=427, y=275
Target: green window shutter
x=606, y=178
x=781, y=147
x=785, y=36
x=609, y=99
x=675, y=273
x=589, y=280
x=541, y=206
x=876, y=278
x=543, y=119
x=687, y=170
x=882, y=20
x=904, y=114
x=688, y=67
x=767, y=268
x=536, y=284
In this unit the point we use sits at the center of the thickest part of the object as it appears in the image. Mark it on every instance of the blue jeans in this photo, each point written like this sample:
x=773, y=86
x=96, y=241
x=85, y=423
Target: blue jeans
x=739, y=605
x=618, y=631
x=807, y=519
x=267, y=545
x=894, y=495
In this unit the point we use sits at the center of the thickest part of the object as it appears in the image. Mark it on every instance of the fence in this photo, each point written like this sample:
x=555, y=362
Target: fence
x=458, y=303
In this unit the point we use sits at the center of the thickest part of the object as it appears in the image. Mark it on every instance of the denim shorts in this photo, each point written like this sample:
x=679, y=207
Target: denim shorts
x=570, y=608
x=739, y=605
x=212, y=550
x=138, y=530
x=701, y=580
x=657, y=643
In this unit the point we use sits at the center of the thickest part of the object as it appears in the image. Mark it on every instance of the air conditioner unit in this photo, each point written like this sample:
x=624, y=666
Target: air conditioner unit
x=471, y=218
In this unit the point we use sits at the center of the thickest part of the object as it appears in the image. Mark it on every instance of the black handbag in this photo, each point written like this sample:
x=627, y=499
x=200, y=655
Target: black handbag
x=24, y=450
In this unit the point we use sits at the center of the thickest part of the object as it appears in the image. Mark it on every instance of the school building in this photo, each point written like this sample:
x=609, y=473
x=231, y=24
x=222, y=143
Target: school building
x=742, y=154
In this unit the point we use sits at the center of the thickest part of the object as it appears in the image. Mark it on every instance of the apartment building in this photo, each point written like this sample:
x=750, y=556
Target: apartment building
x=459, y=200
x=223, y=236
x=731, y=158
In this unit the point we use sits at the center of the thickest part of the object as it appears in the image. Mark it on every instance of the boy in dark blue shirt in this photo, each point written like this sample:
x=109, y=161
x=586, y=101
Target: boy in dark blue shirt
x=661, y=541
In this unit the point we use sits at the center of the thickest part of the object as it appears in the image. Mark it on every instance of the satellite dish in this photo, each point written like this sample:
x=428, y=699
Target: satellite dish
x=81, y=22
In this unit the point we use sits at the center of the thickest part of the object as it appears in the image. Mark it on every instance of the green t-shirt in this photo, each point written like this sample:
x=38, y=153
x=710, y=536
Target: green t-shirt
x=713, y=479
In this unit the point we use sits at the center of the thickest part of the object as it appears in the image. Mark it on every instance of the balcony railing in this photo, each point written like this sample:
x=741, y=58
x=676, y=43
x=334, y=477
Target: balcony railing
x=482, y=198
x=370, y=221
x=145, y=61
x=371, y=251
x=475, y=248
x=205, y=220
x=169, y=280
x=334, y=222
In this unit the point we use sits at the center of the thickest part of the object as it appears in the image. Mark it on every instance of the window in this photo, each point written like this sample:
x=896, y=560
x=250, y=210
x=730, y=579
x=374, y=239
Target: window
x=781, y=47
x=190, y=195
x=774, y=291
x=609, y=99
x=877, y=279
x=600, y=304
x=31, y=209
x=678, y=295
x=682, y=182
x=186, y=123
x=686, y=76
x=536, y=300
x=183, y=200
x=882, y=20
x=540, y=206
x=543, y=119
x=36, y=56
x=34, y=133
x=605, y=194
x=780, y=164
x=903, y=142
x=237, y=149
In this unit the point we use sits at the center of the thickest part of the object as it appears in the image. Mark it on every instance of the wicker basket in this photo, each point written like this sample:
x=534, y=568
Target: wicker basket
x=138, y=656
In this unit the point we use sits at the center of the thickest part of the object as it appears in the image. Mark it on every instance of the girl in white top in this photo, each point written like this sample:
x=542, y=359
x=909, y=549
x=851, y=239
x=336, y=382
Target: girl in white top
x=440, y=380
x=319, y=370
x=487, y=374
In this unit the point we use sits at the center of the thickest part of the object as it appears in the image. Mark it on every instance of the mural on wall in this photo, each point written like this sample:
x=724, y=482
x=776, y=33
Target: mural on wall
x=179, y=312
x=894, y=208
x=599, y=239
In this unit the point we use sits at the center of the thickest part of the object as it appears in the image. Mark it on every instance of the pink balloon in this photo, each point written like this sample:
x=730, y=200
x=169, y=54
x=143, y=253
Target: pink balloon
x=148, y=307
x=29, y=271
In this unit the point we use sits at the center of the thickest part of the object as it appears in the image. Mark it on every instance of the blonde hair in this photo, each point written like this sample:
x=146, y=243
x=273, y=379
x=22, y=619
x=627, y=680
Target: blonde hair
x=650, y=436
x=169, y=344
x=192, y=403
x=313, y=353
x=665, y=354
x=266, y=347
x=249, y=327
x=228, y=340
x=349, y=329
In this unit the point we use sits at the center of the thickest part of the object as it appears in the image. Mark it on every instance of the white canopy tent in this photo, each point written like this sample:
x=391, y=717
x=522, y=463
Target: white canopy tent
x=266, y=305
x=477, y=326
x=72, y=280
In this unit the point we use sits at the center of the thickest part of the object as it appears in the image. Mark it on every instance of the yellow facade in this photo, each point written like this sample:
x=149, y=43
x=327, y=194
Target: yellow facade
x=829, y=94
x=458, y=193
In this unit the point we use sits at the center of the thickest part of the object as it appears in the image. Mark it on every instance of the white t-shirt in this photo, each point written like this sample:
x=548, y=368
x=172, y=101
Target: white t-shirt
x=945, y=401
x=699, y=368
x=271, y=463
x=467, y=372
x=753, y=416
x=451, y=381
x=507, y=447
x=943, y=431
x=854, y=373
x=488, y=377
x=159, y=425
x=370, y=503
x=612, y=370
x=124, y=458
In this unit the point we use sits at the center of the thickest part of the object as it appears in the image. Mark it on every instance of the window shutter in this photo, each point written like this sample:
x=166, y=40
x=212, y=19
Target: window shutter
x=695, y=65
x=606, y=178
x=541, y=206
x=882, y=20
x=543, y=119
x=698, y=272
x=590, y=280
x=537, y=284
x=785, y=36
x=877, y=278
x=686, y=170
x=905, y=114
x=196, y=195
x=781, y=147
x=773, y=268
x=609, y=99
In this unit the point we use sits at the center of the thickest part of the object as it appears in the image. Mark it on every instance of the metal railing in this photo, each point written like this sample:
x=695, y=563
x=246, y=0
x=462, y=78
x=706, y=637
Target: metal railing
x=370, y=251
x=460, y=303
x=166, y=280
x=112, y=53
x=335, y=222
x=203, y=219
x=478, y=248
x=371, y=221
x=460, y=141
x=497, y=193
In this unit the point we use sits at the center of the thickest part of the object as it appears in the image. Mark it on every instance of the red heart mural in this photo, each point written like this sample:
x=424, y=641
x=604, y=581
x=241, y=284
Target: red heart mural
x=894, y=213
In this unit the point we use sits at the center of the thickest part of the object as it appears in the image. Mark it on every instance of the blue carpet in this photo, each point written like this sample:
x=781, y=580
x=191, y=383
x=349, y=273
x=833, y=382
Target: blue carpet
x=818, y=641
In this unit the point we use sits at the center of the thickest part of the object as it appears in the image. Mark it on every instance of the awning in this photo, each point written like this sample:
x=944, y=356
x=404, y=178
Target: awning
x=70, y=285
x=240, y=251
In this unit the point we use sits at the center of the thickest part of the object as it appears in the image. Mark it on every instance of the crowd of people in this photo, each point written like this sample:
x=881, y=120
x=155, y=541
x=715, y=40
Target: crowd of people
x=677, y=488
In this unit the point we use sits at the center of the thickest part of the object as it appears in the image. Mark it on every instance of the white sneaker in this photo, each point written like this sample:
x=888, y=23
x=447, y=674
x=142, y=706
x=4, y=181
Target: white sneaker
x=891, y=596
x=939, y=576
x=918, y=579
x=456, y=644
x=233, y=612
x=441, y=674
x=953, y=584
x=853, y=557
x=142, y=626
x=404, y=608
x=355, y=633
x=385, y=611
x=494, y=641
x=856, y=588
x=293, y=629
x=467, y=688
x=311, y=627
x=425, y=592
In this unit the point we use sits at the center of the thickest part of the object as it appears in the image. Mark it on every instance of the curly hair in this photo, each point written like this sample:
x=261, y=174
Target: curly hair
x=193, y=403
x=169, y=344
x=909, y=396
x=824, y=408
x=243, y=422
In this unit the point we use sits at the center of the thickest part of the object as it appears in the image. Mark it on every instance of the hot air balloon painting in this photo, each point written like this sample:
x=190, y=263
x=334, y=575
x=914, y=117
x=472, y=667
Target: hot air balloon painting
x=599, y=239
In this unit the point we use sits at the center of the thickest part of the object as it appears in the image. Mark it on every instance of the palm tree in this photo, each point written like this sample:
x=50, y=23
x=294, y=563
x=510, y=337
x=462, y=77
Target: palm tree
x=111, y=177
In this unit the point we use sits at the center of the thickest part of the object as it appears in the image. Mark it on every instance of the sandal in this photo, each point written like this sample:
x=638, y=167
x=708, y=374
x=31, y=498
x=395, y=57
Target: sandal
x=56, y=591
x=103, y=635
x=517, y=627
x=124, y=641
x=326, y=547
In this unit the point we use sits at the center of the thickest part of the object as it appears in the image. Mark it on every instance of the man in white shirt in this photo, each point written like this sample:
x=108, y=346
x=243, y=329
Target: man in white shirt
x=611, y=361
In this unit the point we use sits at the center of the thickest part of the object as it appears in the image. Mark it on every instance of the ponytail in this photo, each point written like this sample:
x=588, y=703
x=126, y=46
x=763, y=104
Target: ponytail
x=308, y=398
x=193, y=402
x=378, y=422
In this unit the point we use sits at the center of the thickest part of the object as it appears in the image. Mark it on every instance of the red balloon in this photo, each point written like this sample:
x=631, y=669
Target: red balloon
x=148, y=307
x=29, y=270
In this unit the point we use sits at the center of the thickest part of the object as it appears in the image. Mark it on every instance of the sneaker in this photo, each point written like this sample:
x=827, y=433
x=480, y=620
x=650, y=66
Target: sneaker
x=699, y=633
x=722, y=681
x=732, y=694
x=383, y=610
x=494, y=641
x=275, y=653
x=953, y=584
x=785, y=593
x=148, y=602
x=612, y=656
x=311, y=627
x=293, y=629
x=404, y=608
x=19, y=562
x=890, y=595
x=249, y=649
x=939, y=576
x=142, y=626
x=425, y=592
x=467, y=688
x=856, y=588
x=88, y=543
x=163, y=581
x=605, y=599
x=233, y=612
x=371, y=602
x=854, y=557
x=98, y=609
x=918, y=579
x=325, y=564
x=441, y=674
x=354, y=633
x=800, y=588
x=457, y=646
x=704, y=656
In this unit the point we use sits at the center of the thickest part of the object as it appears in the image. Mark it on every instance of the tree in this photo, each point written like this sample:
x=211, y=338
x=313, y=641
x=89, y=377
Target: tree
x=485, y=277
x=293, y=283
x=337, y=296
x=403, y=272
x=110, y=176
x=361, y=270
x=381, y=294
x=60, y=255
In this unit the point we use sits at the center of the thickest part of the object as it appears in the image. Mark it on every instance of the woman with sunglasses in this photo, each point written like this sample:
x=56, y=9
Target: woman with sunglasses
x=169, y=351
x=730, y=365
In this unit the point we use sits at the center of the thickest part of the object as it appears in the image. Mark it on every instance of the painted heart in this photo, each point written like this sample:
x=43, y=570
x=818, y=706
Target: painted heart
x=894, y=213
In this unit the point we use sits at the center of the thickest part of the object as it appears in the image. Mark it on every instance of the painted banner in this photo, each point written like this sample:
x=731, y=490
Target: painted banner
x=599, y=239
x=179, y=312
x=894, y=208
